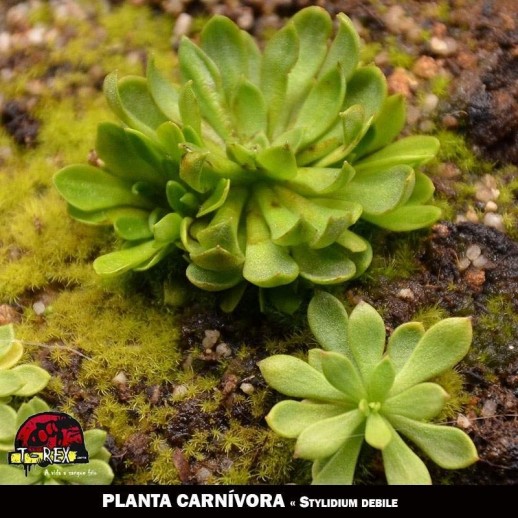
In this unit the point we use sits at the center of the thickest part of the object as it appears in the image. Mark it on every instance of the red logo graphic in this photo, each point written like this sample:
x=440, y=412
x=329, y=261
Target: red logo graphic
x=49, y=438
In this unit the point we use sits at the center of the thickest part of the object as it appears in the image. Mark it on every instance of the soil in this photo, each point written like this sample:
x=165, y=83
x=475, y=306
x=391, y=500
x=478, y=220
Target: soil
x=480, y=57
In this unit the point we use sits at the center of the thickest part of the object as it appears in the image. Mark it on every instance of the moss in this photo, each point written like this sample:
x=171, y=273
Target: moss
x=440, y=85
x=430, y=315
x=397, y=56
x=369, y=51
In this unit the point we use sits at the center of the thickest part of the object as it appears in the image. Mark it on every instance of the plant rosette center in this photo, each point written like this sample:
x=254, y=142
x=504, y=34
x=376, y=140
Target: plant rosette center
x=358, y=388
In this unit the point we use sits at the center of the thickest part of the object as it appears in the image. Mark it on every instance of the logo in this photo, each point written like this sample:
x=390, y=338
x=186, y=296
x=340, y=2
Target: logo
x=48, y=438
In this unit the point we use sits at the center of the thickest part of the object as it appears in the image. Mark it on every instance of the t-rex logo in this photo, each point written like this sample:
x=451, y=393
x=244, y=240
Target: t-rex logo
x=49, y=438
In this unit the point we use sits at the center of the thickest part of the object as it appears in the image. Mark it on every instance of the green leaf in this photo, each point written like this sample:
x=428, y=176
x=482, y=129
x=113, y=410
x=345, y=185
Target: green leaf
x=231, y=298
x=328, y=321
x=352, y=241
x=195, y=65
x=326, y=266
x=278, y=162
x=120, y=261
x=412, y=151
x=11, y=357
x=313, y=27
x=381, y=380
x=406, y=218
x=163, y=92
x=94, y=441
x=388, y=125
x=253, y=70
x=131, y=101
x=286, y=228
x=14, y=476
x=402, y=465
x=189, y=107
x=293, y=377
x=290, y=418
x=423, y=190
x=368, y=88
x=324, y=438
x=362, y=260
x=285, y=299
x=6, y=338
x=366, y=338
x=95, y=472
x=420, y=402
x=10, y=382
x=38, y=406
x=170, y=137
x=133, y=227
x=89, y=188
x=167, y=230
x=345, y=49
x=34, y=378
x=222, y=41
x=380, y=191
x=249, y=110
x=216, y=199
x=266, y=264
x=315, y=181
x=440, y=348
x=403, y=341
x=7, y=423
x=279, y=57
x=339, y=469
x=447, y=446
x=321, y=107
x=211, y=280
x=377, y=432
x=343, y=375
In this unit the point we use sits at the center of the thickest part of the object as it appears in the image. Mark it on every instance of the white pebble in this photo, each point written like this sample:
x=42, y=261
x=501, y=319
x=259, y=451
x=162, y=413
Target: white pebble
x=494, y=220
x=247, y=388
x=223, y=350
x=39, y=308
x=120, y=378
x=406, y=294
x=491, y=206
x=472, y=216
x=461, y=219
x=480, y=262
x=211, y=338
x=473, y=252
x=180, y=390
x=182, y=26
x=430, y=103
x=443, y=47
x=5, y=42
x=489, y=408
x=203, y=475
x=463, y=421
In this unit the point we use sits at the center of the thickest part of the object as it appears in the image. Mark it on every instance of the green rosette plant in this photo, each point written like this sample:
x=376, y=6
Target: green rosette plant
x=355, y=390
x=258, y=164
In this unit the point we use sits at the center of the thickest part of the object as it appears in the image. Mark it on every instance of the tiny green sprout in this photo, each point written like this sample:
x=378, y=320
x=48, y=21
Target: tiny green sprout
x=17, y=380
x=257, y=166
x=355, y=390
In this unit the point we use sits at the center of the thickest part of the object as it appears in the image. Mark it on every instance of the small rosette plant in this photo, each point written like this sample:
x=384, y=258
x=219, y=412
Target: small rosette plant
x=354, y=390
x=17, y=380
x=258, y=164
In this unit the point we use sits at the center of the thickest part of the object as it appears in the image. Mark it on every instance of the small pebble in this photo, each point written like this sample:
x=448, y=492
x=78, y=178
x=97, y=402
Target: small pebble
x=223, y=350
x=39, y=308
x=473, y=252
x=120, y=378
x=180, y=390
x=489, y=408
x=430, y=103
x=212, y=337
x=412, y=114
x=449, y=121
x=247, y=388
x=463, y=422
x=480, y=262
x=472, y=216
x=494, y=220
x=406, y=294
x=448, y=170
x=425, y=67
x=393, y=18
x=203, y=475
x=475, y=278
x=443, y=47
x=8, y=315
x=491, y=206
x=182, y=27
x=402, y=81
